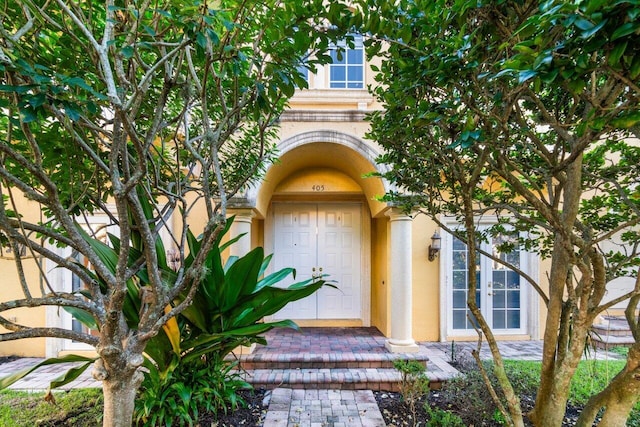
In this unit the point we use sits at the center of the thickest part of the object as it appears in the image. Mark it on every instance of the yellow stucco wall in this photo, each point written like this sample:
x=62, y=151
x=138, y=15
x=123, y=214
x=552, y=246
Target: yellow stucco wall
x=379, y=276
x=426, y=283
x=11, y=290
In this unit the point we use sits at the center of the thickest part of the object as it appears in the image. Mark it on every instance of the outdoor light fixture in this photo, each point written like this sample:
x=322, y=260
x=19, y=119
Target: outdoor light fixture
x=434, y=247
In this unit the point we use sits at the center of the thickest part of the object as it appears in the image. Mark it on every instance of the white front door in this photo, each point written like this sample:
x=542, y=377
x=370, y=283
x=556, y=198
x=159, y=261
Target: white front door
x=321, y=239
x=499, y=292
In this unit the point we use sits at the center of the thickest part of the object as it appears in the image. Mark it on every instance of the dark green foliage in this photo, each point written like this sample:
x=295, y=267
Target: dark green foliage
x=441, y=418
x=198, y=386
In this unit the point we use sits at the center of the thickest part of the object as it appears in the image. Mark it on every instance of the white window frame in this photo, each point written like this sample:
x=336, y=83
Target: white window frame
x=343, y=50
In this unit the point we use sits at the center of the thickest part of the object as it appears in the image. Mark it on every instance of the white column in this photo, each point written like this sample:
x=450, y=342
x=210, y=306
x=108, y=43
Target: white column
x=400, y=279
x=241, y=225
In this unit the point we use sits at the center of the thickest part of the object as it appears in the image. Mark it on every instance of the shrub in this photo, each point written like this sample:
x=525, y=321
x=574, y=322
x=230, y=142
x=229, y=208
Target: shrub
x=414, y=384
x=441, y=418
x=178, y=398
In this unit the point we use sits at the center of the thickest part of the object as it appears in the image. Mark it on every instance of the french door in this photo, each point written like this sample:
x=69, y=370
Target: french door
x=499, y=292
x=318, y=239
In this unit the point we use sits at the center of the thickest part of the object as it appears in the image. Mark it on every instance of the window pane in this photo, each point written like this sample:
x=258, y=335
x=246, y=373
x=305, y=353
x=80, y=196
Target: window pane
x=304, y=72
x=338, y=85
x=513, y=257
x=338, y=74
x=354, y=73
x=459, y=319
x=459, y=260
x=498, y=319
x=513, y=319
x=459, y=299
x=498, y=279
x=458, y=245
x=337, y=57
x=354, y=57
x=513, y=280
x=355, y=85
x=460, y=279
x=513, y=299
x=498, y=299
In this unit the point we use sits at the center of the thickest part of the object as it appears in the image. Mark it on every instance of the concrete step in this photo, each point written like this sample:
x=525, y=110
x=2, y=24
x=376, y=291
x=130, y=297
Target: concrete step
x=614, y=331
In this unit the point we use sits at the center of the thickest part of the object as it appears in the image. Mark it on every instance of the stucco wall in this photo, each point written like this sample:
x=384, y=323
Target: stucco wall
x=10, y=290
x=426, y=283
x=379, y=280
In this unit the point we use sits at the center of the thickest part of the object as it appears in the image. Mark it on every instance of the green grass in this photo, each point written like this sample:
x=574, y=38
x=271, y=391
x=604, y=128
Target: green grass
x=591, y=377
x=80, y=407
x=622, y=351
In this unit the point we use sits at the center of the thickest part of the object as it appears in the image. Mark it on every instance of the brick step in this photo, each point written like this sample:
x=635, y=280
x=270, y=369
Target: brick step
x=612, y=329
x=337, y=378
x=611, y=341
x=326, y=361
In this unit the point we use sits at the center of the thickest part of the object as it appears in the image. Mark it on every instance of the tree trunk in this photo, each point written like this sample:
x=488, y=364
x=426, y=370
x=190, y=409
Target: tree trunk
x=550, y=408
x=618, y=398
x=119, y=388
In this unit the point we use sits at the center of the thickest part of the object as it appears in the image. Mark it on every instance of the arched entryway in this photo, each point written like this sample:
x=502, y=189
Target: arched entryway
x=318, y=208
x=318, y=220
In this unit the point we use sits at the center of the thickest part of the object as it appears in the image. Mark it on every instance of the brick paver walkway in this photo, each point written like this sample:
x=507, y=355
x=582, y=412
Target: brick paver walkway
x=320, y=408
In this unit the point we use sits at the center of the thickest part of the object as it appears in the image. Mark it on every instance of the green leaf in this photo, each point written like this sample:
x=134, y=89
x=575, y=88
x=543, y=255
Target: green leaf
x=526, y=75
x=127, y=52
x=626, y=121
x=583, y=24
x=616, y=54
x=589, y=32
x=82, y=316
x=624, y=30
x=10, y=379
x=70, y=375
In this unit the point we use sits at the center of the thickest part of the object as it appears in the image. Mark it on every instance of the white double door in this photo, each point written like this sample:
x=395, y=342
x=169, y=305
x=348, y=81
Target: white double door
x=499, y=292
x=321, y=239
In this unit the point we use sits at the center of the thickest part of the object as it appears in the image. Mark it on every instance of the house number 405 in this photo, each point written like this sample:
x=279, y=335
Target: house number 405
x=317, y=187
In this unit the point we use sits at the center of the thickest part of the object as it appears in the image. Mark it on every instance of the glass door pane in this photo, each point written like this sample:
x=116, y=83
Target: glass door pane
x=461, y=315
x=506, y=285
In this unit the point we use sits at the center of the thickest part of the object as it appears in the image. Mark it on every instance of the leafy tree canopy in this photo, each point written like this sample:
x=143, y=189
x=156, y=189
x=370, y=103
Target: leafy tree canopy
x=525, y=113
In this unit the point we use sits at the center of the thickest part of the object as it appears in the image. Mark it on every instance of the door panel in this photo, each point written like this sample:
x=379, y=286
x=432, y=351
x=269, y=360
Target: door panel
x=339, y=256
x=296, y=246
x=321, y=239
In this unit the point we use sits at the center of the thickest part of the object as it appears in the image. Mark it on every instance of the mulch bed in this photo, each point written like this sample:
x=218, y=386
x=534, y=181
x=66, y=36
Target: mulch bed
x=253, y=414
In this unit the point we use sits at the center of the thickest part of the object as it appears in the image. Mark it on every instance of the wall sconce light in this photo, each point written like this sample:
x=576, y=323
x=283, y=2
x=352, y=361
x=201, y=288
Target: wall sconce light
x=434, y=247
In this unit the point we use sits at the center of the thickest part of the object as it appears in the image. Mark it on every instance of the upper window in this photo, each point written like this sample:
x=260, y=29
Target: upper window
x=347, y=68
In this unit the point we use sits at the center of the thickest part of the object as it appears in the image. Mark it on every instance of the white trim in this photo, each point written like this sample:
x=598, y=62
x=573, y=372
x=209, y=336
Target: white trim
x=323, y=136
